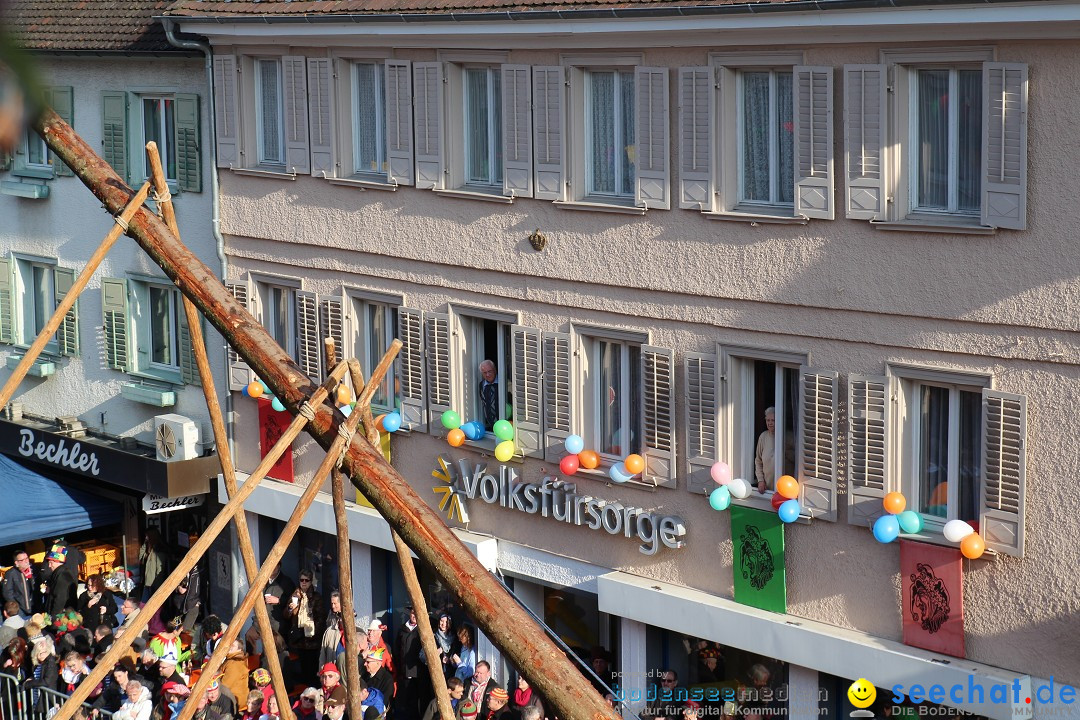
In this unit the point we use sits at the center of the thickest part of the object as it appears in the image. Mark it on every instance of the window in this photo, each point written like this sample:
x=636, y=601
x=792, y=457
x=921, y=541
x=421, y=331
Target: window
x=164, y=350
x=767, y=132
x=269, y=115
x=156, y=310
x=764, y=401
x=610, y=145
x=37, y=152
x=369, y=119
x=375, y=324
x=159, y=126
x=277, y=312
x=36, y=293
x=612, y=397
x=947, y=152
x=486, y=377
x=483, y=127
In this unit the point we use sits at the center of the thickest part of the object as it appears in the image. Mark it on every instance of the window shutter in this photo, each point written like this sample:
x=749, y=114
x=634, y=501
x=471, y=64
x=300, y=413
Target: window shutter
x=114, y=139
x=67, y=335
x=114, y=309
x=549, y=101
x=307, y=334
x=332, y=325
x=817, y=429
x=813, y=142
x=517, y=131
x=700, y=391
x=427, y=114
x=188, y=143
x=652, y=123
x=696, y=103
x=399, y=123
x=189, y=367
x=1004, y=468
x=62, y=101
x=320, y=107
x=297, y=154
x=1004, y=192
x=240, y=375
x=527, y=390
x=869, y=400
x=439, y=371
x=226, y=113
x=410, y=368
x=864, y=141
x=557, y=395
x=5, y=161
x=7, y=302
x=658, y=408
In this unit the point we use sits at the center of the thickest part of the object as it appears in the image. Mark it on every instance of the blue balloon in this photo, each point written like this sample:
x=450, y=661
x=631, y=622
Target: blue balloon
x=244, y=390
x=276, y=404
x=473, y=430
x=789, y=511
x=618, y=473
x=886, y=528
x=346, y=410
x=392, y=422
x=574, y=444
x=720, y=498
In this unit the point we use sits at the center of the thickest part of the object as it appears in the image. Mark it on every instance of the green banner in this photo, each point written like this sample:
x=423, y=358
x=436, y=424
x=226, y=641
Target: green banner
x=758, y=540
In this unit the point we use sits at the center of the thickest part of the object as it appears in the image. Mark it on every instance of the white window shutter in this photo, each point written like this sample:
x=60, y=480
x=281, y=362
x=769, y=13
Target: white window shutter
x=517, y=130
x=557, y=394
x=410, y=368
x=652, y=118
x=399, y=123
x=700, y=393
x=332, y=325
x=869, y=404
x=309, y=348
x=697, y=98
x=226, y=111
x=527, y=390
x=67, y=335
x=189, y=366
x=1004, y=157
x=427, y=116
x=297, y=155
x=813, y=112
x=439, y=371
x=1004, y=470
x=7, y=302
x=817, y=431
x=114, y=311
x=658, y=410
x=240, y=375
x=864, y=141
x=320, y=110
x=549, y=106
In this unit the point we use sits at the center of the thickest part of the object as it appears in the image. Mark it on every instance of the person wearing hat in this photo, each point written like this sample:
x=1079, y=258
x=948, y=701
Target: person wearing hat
x=376, y=642
x=498, y=699
x=168, y=642
x=330, y=677
x=407, y=662
x=167, y=670
x=375, y=675
x=711, y=669
x=467, y=710
x=600, y=659
x=61, y=582
x=222, y=701
x=334, y=709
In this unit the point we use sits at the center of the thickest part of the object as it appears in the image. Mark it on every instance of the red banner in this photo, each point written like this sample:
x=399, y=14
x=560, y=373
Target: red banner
x=932, y=582
x=272, y=425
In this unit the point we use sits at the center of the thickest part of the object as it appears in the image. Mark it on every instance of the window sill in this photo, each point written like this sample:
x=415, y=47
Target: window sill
x=931, y=226
x=757, y=501
x=935, y=538
x=599, y=207
x=476, y=195
x=486, y=445
x=158, y=376
x=257, y=172
x=600, y=474
x=361, y=183
x=30, y=191
x=757, y=218
x=41, y=368
x=146, y=394
x=38, y=173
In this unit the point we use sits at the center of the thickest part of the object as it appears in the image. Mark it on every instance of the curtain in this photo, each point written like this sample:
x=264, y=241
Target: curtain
x=602, y=131
x=785, y=139
x=628, y=156
x=610, y=396
x=969, y=181
x=161, y=326
x=270, y=111
x=369, y=141
x=933, y=148
x=476, y=126
x=755, y=136
x=934, y=451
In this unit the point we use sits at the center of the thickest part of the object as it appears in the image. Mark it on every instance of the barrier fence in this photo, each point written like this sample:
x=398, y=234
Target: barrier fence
x=18, y=702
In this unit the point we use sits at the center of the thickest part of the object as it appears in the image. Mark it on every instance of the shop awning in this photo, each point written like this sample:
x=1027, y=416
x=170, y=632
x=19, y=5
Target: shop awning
x=41, y=508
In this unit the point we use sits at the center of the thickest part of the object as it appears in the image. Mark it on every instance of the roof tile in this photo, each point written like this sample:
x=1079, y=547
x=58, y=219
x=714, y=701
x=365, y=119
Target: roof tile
x=87, y=25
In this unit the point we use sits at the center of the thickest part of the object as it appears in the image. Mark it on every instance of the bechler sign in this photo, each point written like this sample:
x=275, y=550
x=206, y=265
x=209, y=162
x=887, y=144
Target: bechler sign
x=560, y=501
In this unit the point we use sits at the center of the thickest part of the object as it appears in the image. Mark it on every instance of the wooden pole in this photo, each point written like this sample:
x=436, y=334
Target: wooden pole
x=43, y=338
x=221, y=441
x=495, y=612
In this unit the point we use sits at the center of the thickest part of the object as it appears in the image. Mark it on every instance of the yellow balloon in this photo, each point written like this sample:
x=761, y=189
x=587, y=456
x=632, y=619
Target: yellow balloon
x=504, y=450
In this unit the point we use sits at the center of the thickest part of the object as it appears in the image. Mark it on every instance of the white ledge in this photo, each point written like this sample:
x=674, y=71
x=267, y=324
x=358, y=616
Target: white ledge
x=755, y=218
x=918, y=226
x=252, y=172
x=363, y=184
x=599, y=207
x=476, y=195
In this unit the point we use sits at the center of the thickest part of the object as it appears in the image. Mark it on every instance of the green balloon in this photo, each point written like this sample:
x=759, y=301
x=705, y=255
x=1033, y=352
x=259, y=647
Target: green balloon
x=451, y=420
x=910, y=521
x=503, y=430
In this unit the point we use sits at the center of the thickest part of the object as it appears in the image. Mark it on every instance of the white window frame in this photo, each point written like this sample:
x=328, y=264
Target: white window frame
x=265, y=286
x=494, y=182
x=166, y=144
x=379, y=69
x=361, y=335
x=260, y=125
x=773, y=203
x=591, y=193
x=141, y=319
x=24, y=292
x=30, y=139
x=464, y=319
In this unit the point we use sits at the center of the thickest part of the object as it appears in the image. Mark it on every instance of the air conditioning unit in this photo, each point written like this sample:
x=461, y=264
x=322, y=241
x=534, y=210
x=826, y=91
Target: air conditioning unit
x=176, y=437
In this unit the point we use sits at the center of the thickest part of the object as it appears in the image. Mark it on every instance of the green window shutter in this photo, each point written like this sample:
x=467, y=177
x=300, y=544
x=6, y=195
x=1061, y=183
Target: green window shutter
x=63, y=102
x=7, y=303
x=67, y=335
x=114, y=141
x=188, y=143
x=189, y=369
x=114, y=308
x=5, y=161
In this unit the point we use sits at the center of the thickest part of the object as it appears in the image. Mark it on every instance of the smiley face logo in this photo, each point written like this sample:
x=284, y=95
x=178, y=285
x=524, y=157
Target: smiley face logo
x=862, y=693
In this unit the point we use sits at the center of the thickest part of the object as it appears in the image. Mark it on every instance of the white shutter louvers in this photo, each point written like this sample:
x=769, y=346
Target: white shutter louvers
x=410, y=368
x=517, y=130
x=1004, y=471
x=817, y=430
x=813, y=142
x=700, y=392
x=557, y=396
x=869, y=403
x=1004, y=157
x=439, y=373
x=226, y=112
x=864, y=141
x=427, y=116
x=240, y=375
x=697, y=89
x=309, y=349
x=332, y=325
x=321, y=115
x=527, y=404
x=653, y=188
x=658, y=414
x=549, y=101
x=297, y=155
x=399, y=122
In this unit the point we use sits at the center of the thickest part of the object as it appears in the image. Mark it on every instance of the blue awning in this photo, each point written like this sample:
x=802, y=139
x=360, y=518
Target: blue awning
x=46, y=508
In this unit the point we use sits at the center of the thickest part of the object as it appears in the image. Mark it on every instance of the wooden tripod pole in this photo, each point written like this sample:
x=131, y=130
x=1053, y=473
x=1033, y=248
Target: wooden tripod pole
x=221, y=442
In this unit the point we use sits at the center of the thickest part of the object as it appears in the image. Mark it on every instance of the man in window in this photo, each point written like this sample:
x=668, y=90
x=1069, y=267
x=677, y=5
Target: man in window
x=489, y=394
x=765, y=453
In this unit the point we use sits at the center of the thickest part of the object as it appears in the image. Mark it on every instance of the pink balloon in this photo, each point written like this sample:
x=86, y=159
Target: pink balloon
x=721, y=473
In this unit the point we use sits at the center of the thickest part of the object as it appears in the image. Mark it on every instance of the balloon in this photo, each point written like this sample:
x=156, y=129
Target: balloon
x=473, y=430
x=455, y=437
x=788, y=487
x=720, y=472
x=720, y=498
x=886, y=529
x=589, y=459
x=344, y=394
x=392, y=422
x=346, y=410
x=379, y=423
x=789, y=511
x=504, y=450
x=618, y=473
x=634, y=463
x=910, y=521
x=739, y=488
x=276, y=404
x=451, y=420
x=254, y=389
x=569, y=464
x=574, y=444
x=503, y=430
x=956, y=530
x=778, y=500
x=894, y=503
x=972, y=546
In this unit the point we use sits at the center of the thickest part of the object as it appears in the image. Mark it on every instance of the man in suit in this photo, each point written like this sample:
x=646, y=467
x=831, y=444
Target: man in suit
x=21, y=585
x=407, y=662
x=489, y=394
x=479, y=687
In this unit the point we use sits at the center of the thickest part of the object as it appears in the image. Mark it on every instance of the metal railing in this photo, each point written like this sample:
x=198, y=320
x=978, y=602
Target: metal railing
x=34, y=703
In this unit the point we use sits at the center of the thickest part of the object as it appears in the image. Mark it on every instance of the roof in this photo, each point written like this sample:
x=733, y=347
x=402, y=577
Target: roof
x=125, y=26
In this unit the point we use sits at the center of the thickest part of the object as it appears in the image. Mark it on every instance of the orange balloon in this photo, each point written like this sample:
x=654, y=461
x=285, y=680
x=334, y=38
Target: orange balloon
x=894, y=503
x=972, y=546
x=255, y=390
x=455, y=437
x=378, y=423
x=634, y=464
x=788, y=487
x=344, y=395
x=589, y=459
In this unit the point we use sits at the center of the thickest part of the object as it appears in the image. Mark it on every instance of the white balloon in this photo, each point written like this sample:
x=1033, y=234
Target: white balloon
x=739, y=488
x=956, y=530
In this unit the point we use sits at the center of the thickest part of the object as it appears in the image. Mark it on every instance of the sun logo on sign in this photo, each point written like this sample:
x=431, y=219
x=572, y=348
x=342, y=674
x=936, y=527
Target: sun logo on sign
x=451, y=502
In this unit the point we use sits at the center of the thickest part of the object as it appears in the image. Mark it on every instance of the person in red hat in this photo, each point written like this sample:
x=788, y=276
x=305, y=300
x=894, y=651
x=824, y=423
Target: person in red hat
x=497, y=702
x=467, y=710
x=330, y=677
